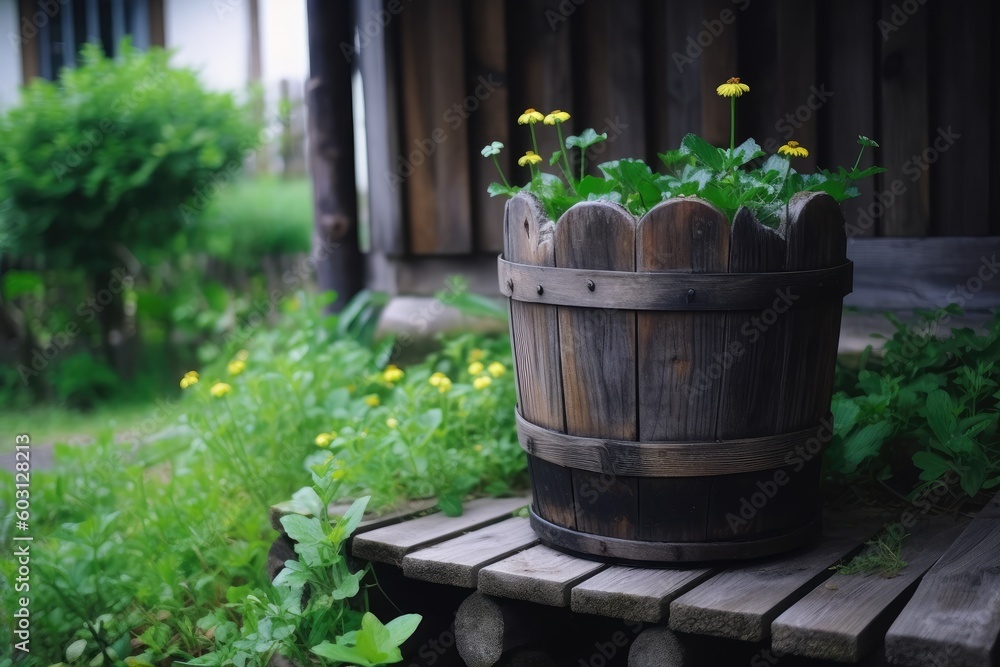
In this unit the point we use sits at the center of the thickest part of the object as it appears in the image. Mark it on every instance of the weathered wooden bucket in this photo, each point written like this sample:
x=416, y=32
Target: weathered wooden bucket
x=674, y=374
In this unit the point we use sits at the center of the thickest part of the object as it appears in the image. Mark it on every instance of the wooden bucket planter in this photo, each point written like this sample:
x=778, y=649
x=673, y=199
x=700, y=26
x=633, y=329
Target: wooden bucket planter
x=674, y=374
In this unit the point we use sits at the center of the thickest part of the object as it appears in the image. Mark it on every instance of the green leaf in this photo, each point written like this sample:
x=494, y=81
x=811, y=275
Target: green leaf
x=866, y=442
x=704, y=152
x=450, y=504
x=845, y=414
x=348, y=587
x=18, y=283
x=972, y=479
x=940, y=413
x=932, y=465
x=585, y=139
x=745, y=152
x=556, y=156
x=346, y=654
x=402, y=627
x=75, y=650
x=496, y=189
x=375, y=641
x=304, y=530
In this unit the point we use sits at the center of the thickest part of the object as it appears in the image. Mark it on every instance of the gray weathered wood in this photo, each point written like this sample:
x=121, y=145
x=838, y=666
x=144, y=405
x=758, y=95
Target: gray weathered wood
x=457, y=561
x=486, y=627
x=634, y=594
x=846, y=617
x=656, y=647
x=539, y=574
x=597, y=354
x=391, y=543
x=534, y=336
x=741, y=602
x=675, y=351
x=954, y=617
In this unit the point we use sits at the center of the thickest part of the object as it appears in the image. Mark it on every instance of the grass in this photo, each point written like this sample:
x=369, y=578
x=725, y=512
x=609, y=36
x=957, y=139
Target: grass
x=50, y=424
x=882, y=555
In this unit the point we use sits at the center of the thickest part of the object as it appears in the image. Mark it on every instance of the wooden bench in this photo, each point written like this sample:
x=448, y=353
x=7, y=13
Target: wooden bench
x=943, y=609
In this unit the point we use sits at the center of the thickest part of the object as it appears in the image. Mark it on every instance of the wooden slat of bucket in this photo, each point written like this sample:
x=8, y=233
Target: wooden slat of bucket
x=597, y=348
x=528, y=240
x=751, y=389
x=676, y=352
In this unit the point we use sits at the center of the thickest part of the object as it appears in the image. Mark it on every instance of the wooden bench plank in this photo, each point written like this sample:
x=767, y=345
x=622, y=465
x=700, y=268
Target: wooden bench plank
x=741, y=602
x=457, y=561
x=846, y=617
x=954, y=617
x=391, y=543
x=540, y=575
x=634, y=594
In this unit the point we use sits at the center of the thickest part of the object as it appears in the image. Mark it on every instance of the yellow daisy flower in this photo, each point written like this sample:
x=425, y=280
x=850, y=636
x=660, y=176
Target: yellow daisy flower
x=242, y=355
x=476, y=355
x=236, y=366
x=392, y=373
x=444, y=386
x=476, y=367
x=793, y=149
x=496, y=369
x=324, y=439
x=392, y=422
x=483, y=382
x=372, y=400
x=436, y=379
x=220, y=389
x=530, y=117
x=190, y=379
x=556, y=116
x=529, y=158
x=732, y=88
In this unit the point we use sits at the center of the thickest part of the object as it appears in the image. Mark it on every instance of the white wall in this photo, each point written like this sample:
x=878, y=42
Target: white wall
x=10, y=53
x=211, y=36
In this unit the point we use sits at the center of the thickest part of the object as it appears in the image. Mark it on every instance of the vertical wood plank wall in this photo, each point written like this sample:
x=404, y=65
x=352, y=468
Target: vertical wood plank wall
x=820, y=71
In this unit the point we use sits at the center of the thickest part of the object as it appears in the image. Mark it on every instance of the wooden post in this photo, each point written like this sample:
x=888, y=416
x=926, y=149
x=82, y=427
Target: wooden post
x=339, y=262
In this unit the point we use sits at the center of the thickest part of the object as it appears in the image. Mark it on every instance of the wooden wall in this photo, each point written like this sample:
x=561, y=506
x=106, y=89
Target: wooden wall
x=914, y=75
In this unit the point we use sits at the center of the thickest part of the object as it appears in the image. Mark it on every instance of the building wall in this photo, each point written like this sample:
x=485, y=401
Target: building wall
x=212, y=37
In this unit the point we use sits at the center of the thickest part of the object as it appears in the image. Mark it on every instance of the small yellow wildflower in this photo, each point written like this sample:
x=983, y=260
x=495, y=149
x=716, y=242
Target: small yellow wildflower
x=444, y=386
x=478, y=448
x=496, y=369
x=556, y=116
x=437, y=378
x=392, y=422
x=190, y=378
x=793, y=149
x=392, y=373
x=483, y=382
x=372, y=400
x=236, y=366
x=324, y=439
x=476, y=367
x=242, y=355
x=732, y=88
x=476, y=354
x=220, y=389
x=530, y=117
x=529, y=158
x=337, y=474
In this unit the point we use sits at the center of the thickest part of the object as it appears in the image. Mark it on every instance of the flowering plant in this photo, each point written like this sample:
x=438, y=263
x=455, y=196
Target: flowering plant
x=729, y=178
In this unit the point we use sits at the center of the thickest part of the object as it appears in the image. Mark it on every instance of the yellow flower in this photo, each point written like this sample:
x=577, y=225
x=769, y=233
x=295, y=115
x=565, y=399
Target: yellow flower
x=478, y=448
x=732, y=88
x=242, y=355
x=190, y=378
x=483, y=382
x=392, y=422
x=324, y=439
x=337, y=474
x=220, y=389
x=793, y=149
x=444, y=386
x=497, y=369
x=437, y=378
x=476, y=367
x=476, y=355
x=372, y=400
x=529, y=158
x=392, y=373
x=529, y=117
x=556, y=116
x=236, y=366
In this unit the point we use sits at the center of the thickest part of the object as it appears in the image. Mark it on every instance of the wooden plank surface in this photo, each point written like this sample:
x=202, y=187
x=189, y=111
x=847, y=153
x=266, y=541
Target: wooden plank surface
x=954, y=617
x=391, y=543
x=539, y=574
x=846, y=617
x=741, y=602
x=634, y=594
x=457, y=561
x=597, y=355
x=678, y=397
x=533, y=329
